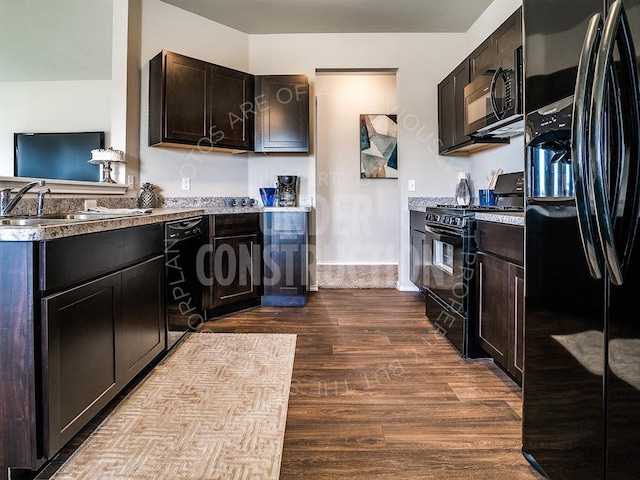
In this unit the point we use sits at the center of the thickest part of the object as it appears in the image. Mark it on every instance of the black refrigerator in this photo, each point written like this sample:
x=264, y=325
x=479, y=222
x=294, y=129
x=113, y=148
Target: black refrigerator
x=581, y=387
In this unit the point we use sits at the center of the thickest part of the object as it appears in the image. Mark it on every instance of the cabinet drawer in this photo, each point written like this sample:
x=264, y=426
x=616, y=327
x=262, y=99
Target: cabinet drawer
x=234, y=224
x=501, y=239
x=69, y=261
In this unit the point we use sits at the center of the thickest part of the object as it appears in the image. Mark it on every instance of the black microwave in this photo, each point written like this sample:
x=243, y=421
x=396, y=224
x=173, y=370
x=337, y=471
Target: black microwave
x=493, y=101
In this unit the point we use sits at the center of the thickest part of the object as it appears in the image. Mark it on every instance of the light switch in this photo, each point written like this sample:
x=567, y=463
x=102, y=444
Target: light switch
x=412, y=185
x=186, y=183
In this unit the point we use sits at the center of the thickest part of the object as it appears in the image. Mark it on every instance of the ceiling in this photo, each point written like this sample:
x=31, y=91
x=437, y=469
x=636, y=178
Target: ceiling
x=339, y=16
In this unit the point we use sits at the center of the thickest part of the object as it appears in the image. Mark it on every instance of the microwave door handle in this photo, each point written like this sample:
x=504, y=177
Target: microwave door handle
x=492, y=92
x=579, y=147
x=602, y=74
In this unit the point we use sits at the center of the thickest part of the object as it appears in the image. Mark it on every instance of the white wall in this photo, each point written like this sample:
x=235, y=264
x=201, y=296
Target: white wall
x=422, y=60
x=510, y=158
x=357, y=219
x=212, y=174
x=51, y=107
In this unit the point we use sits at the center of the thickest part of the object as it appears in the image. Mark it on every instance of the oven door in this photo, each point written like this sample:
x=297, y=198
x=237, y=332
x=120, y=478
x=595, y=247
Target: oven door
x=444, y=272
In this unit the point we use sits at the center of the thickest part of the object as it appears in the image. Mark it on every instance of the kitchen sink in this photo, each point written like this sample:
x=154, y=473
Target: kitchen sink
x=56, y=219
x=27, y=222
x=82, y=216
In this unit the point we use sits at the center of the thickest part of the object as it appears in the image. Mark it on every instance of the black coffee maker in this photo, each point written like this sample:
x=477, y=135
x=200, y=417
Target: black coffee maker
x=288, y=190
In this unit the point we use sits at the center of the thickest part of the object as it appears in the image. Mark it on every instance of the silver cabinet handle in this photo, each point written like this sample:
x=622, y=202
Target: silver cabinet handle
x=579, y=149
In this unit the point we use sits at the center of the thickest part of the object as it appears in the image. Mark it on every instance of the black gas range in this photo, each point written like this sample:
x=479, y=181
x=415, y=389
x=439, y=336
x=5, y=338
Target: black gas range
x=449, y=264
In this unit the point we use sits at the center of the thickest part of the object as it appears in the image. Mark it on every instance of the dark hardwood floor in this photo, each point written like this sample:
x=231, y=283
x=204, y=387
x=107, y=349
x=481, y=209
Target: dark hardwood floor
x=377, y=394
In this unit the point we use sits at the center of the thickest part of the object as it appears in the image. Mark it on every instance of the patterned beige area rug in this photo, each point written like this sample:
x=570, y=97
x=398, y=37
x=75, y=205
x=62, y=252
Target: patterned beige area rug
x=216, y=408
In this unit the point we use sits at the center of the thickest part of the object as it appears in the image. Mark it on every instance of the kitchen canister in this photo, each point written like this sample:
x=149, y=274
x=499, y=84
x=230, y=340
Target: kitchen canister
x=463, y=192
x=147, y=198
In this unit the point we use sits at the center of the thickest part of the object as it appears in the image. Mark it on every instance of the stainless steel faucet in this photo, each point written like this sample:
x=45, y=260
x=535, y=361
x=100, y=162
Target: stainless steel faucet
x=7, y=204
x=41, y=194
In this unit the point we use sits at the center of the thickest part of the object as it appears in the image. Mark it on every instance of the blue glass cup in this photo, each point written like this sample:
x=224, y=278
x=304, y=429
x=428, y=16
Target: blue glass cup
x=268, y=196
x=487, y=198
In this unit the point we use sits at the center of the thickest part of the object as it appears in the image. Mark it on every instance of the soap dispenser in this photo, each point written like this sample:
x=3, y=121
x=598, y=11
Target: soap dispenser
x=463, y=192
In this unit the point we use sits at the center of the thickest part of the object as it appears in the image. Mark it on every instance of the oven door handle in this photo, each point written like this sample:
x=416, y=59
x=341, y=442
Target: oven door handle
x=438, y=233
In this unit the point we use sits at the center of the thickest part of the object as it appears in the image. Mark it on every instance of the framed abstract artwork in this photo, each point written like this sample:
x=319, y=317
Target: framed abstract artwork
x=378, y=146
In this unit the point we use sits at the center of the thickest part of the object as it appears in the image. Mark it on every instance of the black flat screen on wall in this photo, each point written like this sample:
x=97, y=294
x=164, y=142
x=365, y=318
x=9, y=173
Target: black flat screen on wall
x=61, y=156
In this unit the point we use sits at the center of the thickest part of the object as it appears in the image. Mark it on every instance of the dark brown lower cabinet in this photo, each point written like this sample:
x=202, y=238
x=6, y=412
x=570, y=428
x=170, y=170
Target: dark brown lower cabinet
x=286, y=258
x=500, y=284
x=81, y=328
x=143, y=318
x=416, y=252
x=76, y=329
x=96, y=338
x=235, y=262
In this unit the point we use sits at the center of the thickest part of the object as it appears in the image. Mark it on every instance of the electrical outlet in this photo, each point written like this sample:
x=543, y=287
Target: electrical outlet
x=131, y=181
x=90, y=204
x=304, y=201
x=412, y=185
x=186, y=183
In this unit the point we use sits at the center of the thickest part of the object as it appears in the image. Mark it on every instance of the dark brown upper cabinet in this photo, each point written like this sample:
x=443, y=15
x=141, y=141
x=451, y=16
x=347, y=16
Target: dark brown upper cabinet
x=196, y=103
x=451, y=107
x=482, y=58
x=497, y=50
x=452, y=140
x=282, y=113
x=231, y=108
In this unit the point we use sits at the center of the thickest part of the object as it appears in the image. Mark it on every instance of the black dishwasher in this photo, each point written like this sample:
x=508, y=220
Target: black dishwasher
x=184, y=291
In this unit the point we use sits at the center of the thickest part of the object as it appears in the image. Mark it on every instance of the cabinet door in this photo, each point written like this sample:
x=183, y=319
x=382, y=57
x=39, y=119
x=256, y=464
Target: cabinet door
x=493, y=307
x=451, y=108
x=185, y=102
x=460, y=80
x=516, y=363
x=483, y=58
x=508, y=37
x=282, y=113
x=231, y=100
x=446, y=113
x=285, y=254
x=235, y=266
x=143, y=317
x=416, y=254
x=80, y=345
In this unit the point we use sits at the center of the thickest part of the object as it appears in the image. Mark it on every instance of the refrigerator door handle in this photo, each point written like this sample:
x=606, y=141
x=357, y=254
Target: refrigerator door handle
x=629, y=173
x=579, y=146
x=615, y=24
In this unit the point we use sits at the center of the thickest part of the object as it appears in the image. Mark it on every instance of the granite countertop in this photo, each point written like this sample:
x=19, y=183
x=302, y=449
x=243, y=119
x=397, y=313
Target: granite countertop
x=512, y=218
x=74, y=227
x=70, y=228
x=227, y=210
